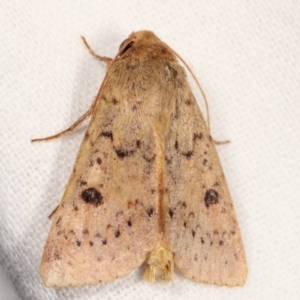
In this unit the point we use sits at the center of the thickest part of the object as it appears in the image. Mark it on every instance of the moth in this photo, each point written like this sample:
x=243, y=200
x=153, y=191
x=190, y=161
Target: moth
x=147, y=185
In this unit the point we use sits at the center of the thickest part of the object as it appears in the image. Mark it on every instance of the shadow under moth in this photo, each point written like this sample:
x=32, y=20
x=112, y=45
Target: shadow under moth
x=147, y=185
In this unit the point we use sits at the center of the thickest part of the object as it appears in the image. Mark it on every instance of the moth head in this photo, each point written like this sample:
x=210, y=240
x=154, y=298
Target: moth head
x=143, y=36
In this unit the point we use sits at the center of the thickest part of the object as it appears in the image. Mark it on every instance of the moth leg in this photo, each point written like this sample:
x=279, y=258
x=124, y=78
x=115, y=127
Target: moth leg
x=105, y=59
x=81, y=119
x=216, y=142
x=53, y=212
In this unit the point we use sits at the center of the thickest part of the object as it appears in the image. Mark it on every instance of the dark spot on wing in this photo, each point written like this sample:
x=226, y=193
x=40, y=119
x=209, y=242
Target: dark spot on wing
x=188, y=102
x=99, y=160
x=78, y=243
x=193, y=233
x=92, y=196
x=104, y=242
x=57, y=255
x=176, y=145
x=123, y=153
x=114, y=101
x=202, y=240
x=197, y=136
x=150, y=211
x=171, y=213
x=85, y=231
x=168, y=266
x=168, y=160
x=91, y=243
x=117, y=233
x=192, y=214
x=221, y=243
x=138, y=144
x=149, y=159
x=188, y=154
x=107, y=134
x=129, y=223
x=82, y=183
x=211, y=197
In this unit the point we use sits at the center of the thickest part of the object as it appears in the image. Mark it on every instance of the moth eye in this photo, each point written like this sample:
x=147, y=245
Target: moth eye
x=125, y=45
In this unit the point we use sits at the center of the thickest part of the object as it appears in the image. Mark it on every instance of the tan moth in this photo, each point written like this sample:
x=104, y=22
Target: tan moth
x=147, y=185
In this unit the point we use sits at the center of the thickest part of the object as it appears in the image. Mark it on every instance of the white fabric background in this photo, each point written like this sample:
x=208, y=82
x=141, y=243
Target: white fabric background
x=246, y=54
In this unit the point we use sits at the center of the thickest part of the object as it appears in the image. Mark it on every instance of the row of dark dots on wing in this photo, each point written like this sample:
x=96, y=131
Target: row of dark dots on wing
x=187, y=154
x=122, y=153
x=150, y=212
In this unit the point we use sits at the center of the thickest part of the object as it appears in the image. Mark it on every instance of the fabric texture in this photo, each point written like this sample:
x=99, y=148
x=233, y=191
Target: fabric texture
x=246, y=56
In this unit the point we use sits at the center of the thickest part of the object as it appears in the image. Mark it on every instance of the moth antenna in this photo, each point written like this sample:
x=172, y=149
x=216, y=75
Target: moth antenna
x=105, y=59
